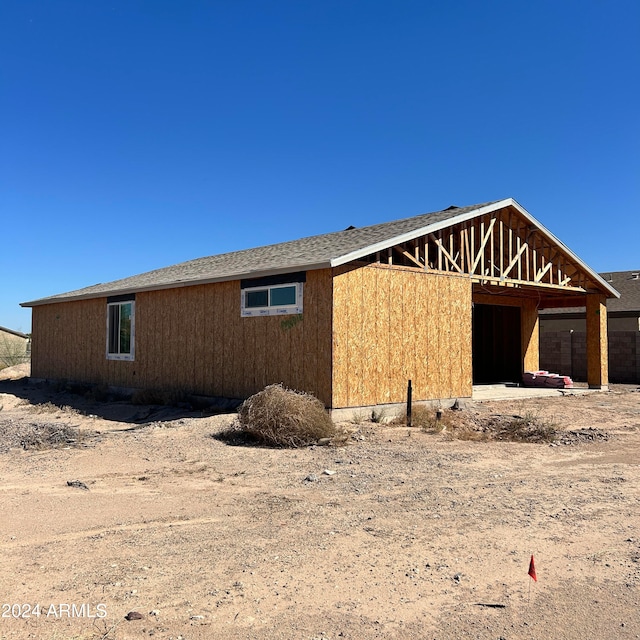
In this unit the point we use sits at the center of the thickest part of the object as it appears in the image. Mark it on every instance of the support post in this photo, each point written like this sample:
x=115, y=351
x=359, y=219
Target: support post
x=409, y=394
x=530, y=335
x=597, y=342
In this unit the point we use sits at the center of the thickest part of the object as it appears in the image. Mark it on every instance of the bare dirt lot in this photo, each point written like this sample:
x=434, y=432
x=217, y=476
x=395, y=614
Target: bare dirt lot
x=416, y=535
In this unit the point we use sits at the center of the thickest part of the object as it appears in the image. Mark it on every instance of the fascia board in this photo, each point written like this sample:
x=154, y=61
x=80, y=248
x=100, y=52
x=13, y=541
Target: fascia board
x=411, y=235
x=257, y=273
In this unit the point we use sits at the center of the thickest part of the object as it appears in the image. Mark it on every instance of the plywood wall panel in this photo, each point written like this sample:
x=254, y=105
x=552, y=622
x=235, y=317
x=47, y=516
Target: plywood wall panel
x=321, y=281
x=215, y=339
x=419, y=374
x=446, y=355
x=379, y=388
x=530, y=335
x=396, y=380
x=464, y=317
x=252, y=367
x=356, y=357
x=340, y=339
x=193, y=339
x=310, y=337
x=408, y=321
x=597, y=342
x=433, y=343
x=296, y=330
x=199, y=347
x=421, y=330
x=277, y=357
x=64, y=341
x=321, y=285
x=230, y=308
x=370, y=356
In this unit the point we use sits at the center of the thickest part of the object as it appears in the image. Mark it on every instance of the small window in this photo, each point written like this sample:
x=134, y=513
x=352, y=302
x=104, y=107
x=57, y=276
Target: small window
x=281, y=299
x=282, y=296
x=120, y=330
x=257, y=298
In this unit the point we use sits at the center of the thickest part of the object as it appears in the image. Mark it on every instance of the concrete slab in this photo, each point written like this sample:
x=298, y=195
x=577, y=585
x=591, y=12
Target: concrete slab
x=509, y=392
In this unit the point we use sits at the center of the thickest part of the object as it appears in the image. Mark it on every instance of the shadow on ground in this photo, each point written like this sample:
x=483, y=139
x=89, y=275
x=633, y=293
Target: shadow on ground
x=110, y=405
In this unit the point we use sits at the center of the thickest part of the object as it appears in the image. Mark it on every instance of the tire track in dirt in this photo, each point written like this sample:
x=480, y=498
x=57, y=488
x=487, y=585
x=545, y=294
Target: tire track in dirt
x=103, y=531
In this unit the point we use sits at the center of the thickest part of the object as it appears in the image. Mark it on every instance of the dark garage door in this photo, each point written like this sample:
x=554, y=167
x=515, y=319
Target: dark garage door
x=497, y=355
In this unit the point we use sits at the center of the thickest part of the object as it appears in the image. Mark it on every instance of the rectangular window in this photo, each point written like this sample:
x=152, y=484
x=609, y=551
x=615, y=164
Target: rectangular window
x=257, y=298
x=120, y=330
x=280, y=299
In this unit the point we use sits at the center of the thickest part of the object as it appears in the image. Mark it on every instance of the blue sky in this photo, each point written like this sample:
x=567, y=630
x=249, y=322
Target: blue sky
x=141, y=133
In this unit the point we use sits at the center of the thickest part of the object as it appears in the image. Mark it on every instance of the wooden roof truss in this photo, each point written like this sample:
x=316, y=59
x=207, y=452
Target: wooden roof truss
x=500, y=248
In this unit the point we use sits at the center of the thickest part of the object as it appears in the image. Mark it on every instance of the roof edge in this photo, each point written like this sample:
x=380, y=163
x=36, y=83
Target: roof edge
x=18, y=334
x=490, y=208
x=176, y=284
x=411, y=235
x=596, y=276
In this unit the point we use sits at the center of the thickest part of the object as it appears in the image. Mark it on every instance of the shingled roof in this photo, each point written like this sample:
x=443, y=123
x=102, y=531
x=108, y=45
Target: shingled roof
x=627, y=283
x=314, y=252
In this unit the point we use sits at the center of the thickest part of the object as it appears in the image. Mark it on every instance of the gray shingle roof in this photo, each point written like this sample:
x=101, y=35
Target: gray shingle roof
x=624, y=283
x=314, y=252
x=297, y=255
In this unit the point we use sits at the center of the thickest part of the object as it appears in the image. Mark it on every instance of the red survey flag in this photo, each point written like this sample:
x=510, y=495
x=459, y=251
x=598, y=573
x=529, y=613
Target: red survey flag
x=532, y=569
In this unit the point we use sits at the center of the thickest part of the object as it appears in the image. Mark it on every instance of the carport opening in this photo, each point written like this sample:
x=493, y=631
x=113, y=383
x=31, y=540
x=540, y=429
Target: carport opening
x=497, y=344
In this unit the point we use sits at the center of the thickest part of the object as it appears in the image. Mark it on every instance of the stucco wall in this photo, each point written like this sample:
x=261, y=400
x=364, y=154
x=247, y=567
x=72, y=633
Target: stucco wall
x=13, y=349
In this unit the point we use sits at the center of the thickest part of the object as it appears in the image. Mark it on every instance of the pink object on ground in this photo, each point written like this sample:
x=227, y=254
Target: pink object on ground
x=546, y=379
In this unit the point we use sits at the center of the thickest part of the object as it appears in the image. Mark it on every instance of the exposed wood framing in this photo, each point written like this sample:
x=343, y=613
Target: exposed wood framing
x=502, y=248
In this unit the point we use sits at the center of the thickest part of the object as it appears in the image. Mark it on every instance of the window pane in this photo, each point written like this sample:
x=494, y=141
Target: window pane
x=125, y=328
x=114, y=328
x=283, y=296
x=258, y=298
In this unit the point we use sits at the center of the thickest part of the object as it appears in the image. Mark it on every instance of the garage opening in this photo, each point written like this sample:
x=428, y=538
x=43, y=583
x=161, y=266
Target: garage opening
x=497, y=344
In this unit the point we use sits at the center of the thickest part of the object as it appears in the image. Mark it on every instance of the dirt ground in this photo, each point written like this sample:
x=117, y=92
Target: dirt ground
x=410, y=535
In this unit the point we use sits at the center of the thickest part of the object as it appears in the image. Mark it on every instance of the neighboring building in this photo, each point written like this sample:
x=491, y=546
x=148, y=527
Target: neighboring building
x=15, y=347
x=446, y=299
x=563, y=333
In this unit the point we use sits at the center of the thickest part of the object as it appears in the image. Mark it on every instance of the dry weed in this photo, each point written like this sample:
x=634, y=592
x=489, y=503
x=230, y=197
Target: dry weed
x=50, y=407
x=470, y=426
x=527, y=428
x=38, y=435
x=285, y=418
x=506, y=428
x=428, y=418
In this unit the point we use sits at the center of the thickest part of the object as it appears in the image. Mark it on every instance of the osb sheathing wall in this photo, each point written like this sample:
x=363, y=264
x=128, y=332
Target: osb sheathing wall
x=597, y=342
x=194, y=339
x=394, y=324
x=69, y=341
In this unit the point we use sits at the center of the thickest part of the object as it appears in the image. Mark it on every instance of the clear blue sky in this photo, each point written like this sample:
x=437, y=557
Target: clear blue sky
x=136, y=134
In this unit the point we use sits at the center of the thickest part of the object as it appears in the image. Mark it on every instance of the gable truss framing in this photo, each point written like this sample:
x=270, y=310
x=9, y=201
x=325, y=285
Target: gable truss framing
x=500, y=248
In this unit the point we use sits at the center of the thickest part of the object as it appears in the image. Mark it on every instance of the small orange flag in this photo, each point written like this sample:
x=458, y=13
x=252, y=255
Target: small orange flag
x=532, y=569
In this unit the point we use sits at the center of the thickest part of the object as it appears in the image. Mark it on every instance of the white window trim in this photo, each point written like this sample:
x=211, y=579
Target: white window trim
x=282, y=310
x=123, y=356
